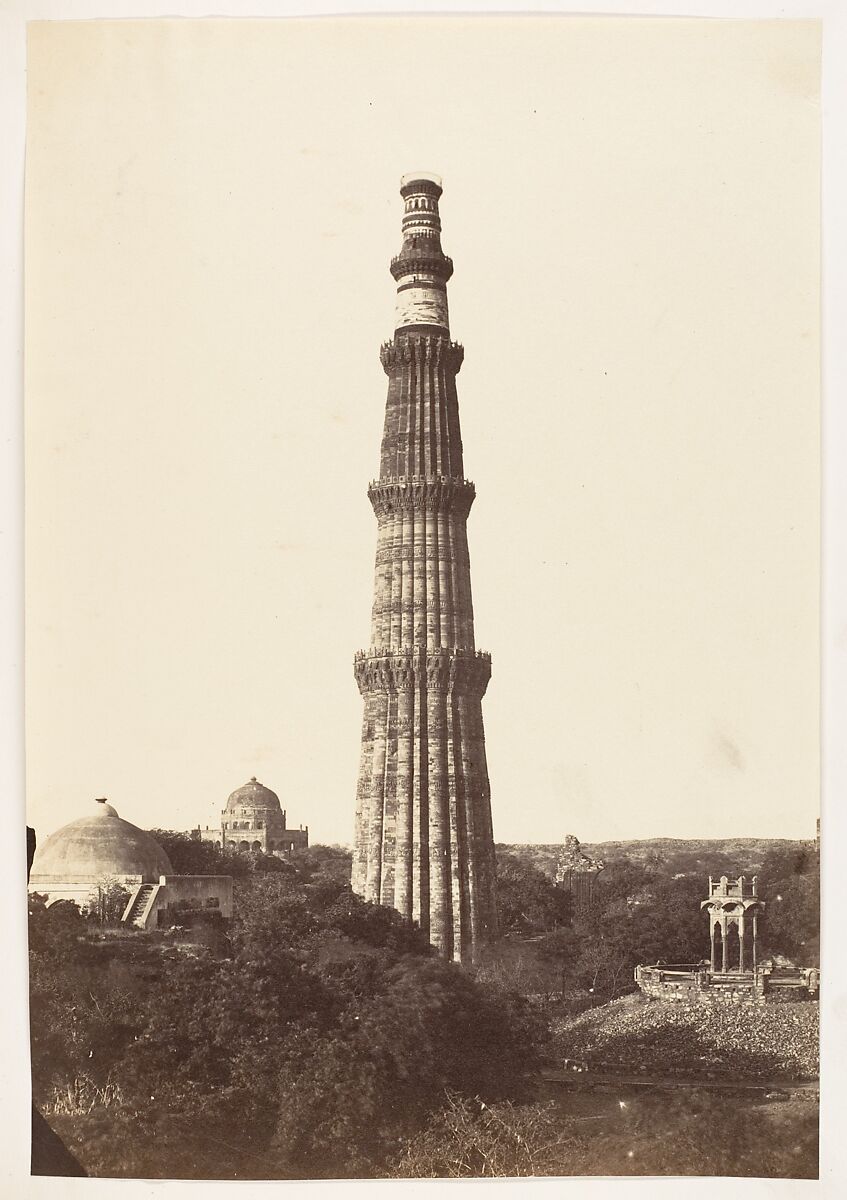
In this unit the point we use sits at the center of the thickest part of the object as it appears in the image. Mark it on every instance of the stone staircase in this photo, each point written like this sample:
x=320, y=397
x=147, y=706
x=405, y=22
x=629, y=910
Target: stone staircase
x=135, y=913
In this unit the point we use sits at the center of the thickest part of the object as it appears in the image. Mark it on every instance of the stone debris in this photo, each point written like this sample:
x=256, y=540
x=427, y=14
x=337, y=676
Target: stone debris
x=640, y=1036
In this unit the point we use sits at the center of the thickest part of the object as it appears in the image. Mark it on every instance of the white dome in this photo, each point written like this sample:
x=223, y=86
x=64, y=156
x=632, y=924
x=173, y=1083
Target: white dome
x=97, y=847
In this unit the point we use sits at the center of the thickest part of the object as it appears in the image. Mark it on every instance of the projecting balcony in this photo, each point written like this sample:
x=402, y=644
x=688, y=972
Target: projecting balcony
x=412, y=261
x=421, y=652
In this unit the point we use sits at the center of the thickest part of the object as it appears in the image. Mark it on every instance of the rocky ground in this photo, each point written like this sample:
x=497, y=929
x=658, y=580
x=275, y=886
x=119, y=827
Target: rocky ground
x=654, y=1037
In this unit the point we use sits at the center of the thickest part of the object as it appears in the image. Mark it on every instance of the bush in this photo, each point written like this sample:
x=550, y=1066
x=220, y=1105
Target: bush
x=471, y=1139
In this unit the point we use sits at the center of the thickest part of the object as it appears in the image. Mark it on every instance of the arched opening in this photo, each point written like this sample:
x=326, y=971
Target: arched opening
x=733, y=947
x=256, y=846
x=243, y=845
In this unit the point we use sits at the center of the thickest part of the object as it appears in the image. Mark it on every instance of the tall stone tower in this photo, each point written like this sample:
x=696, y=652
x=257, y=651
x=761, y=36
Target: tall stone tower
x=424, y=841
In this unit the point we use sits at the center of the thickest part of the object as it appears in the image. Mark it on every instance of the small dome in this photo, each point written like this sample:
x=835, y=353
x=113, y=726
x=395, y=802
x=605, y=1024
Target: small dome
x=99, y=846
x=254, y=795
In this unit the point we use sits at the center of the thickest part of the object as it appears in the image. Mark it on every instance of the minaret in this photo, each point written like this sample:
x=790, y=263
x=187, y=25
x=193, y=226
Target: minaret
x=424, y=842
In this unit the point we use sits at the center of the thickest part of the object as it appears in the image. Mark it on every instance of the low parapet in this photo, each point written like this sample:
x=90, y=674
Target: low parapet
x=697, y=983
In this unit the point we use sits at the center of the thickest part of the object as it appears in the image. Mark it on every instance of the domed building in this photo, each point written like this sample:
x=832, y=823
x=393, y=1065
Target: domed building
x=101, y=850
x=254, y=819
x=102, y=845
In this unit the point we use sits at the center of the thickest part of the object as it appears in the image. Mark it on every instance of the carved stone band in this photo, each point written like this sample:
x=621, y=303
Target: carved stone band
x=430, y=348
x=428, y=495
x=449, y=671
x=408, y=262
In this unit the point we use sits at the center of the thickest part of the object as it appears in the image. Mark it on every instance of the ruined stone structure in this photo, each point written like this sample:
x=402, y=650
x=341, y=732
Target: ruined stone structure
x=423, y=839
x=578, y=873
x=733, y=974
x=254, y=819
x=733, y=908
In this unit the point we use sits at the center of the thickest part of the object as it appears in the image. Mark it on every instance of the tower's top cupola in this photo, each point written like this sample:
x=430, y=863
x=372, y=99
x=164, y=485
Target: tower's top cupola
x=421, y=268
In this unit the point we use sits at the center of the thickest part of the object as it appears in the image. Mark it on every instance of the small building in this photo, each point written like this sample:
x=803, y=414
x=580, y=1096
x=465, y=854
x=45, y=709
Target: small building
x=254, y=819
x=734, y=907
x=733, y=973
x=102, y=853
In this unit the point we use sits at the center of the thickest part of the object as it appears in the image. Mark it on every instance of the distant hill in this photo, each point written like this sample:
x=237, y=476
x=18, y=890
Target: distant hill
x=708, y=856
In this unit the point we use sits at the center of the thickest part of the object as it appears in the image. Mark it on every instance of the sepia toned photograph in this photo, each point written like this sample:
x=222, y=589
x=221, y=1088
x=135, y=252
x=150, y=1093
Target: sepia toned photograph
x=422, y=538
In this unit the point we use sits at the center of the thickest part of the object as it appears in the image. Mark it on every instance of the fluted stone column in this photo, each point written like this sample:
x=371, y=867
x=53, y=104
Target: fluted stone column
x=424, y=841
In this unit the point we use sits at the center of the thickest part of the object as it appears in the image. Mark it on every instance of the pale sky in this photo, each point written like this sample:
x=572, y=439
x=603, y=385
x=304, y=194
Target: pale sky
x=632, y=210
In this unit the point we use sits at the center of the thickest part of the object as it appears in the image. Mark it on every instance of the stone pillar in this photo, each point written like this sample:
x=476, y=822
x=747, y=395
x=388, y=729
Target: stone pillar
x=445, y=579
x=389, y=802
x=373, y=877
x=407, y=602
x=420, y=580
x=725, y=948
x=712, y=940
x=741, y=942
x=405, y=836
x=433, y=598
x=395, y=638
x=360, y=849
x=441, y=905
x=420, y=812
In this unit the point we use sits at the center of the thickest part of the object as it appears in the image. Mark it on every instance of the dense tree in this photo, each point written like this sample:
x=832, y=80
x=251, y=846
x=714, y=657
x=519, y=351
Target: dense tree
x=191, y=856
x=322, y=1034
x=789, y=884
x=317, y=913
x=324, y=862
x=107, y=901
x=424, y=1026
x=81, y=1018
x=639, y=915
x=528, y=901
x=324, y=1031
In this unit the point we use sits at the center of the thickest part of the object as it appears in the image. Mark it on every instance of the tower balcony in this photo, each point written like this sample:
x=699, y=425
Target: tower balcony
x=433, y=347
x=419, y=652
x=420, y=493
x=456, y=671
x=421, y=260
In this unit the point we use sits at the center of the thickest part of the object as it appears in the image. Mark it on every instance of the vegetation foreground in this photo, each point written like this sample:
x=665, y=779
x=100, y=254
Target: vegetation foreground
x=320, y=1037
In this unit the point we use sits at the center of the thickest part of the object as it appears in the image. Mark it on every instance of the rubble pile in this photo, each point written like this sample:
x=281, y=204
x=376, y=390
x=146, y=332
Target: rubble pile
x=655, y=1037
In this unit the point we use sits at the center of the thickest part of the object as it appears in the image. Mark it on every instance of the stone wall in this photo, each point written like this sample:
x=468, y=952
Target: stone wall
x=701, y=986
x=210, y=892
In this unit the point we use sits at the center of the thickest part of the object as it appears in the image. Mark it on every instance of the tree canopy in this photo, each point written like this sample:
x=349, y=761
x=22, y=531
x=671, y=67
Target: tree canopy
x=325, y=1032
